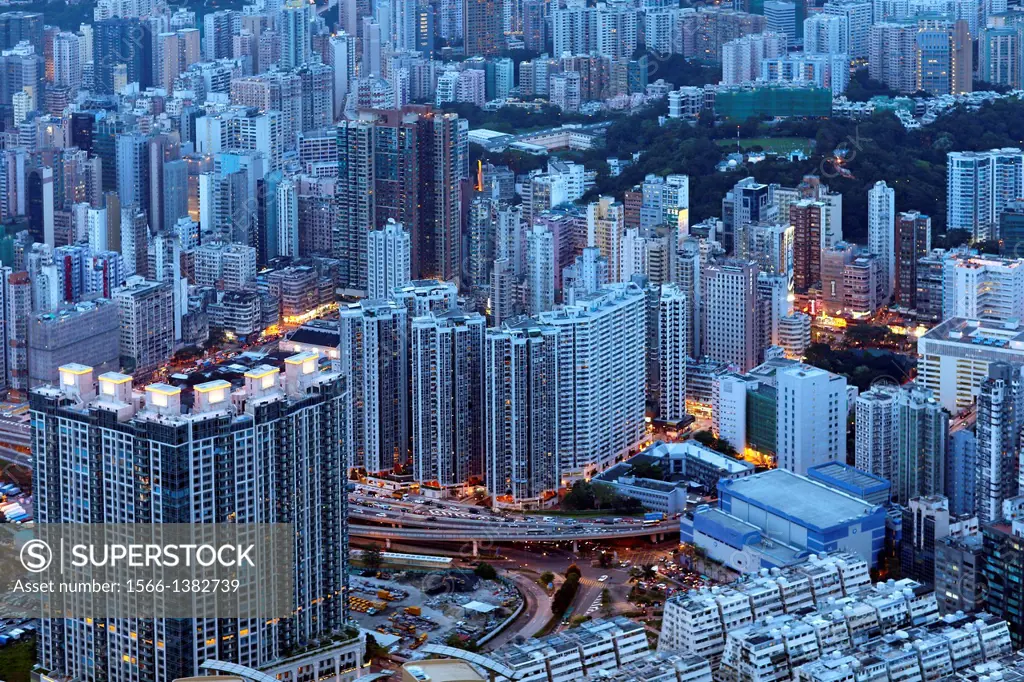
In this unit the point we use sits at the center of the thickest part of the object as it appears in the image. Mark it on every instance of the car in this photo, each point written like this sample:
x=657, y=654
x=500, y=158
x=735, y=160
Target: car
x=382, y=515
x=602, y=579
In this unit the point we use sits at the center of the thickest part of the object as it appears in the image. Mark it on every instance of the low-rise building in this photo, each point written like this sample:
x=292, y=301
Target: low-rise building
x=86, y=333
x=570, y=655
x=683, y=467
x=697, y=621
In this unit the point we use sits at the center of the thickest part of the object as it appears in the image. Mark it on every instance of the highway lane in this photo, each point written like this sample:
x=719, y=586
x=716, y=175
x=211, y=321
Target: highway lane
x=503, y=534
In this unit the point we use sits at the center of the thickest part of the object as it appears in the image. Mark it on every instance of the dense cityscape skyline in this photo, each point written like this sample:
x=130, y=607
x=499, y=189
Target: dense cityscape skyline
x=623, y=340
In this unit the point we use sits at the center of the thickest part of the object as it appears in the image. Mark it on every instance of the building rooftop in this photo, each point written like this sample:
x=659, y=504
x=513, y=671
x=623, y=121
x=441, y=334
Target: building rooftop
x=797, y=498
x=852, y=476
x=982, y=333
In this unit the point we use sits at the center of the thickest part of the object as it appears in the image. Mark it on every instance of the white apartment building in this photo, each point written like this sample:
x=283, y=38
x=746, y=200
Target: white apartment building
x=978, y=187
x=741, y=57
x=601, y=377
x=697, y=621
x=882, y=231
x=521, y=430
x=388, y=260
x=953, y=357
x=540, y=270
x=729, y=408
x=795, y=334
x=728, y=315
x=826, y=34
x=858, y=17
x=875, y=448
x=811, y=411
x=673, y=311
x=447, y=377
x=568, y=656
x=986, y=288
x=606, y=220
x=227, y=266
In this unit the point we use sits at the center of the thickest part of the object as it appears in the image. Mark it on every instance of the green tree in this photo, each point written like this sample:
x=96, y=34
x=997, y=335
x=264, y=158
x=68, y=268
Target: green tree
x=546, y=578
x=573, y=570
x=373, y=558
x=486, y=571
x=565, y=595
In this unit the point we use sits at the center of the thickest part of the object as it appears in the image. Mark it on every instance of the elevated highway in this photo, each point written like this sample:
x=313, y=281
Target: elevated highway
x=498, y=533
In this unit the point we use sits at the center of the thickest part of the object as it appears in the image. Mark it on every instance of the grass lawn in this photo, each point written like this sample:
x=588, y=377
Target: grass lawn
x=781, y=145
x=16, y=661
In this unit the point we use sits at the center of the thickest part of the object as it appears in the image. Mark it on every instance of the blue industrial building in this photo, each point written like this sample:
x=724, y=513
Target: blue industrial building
x=777, y=517
x=852, y=481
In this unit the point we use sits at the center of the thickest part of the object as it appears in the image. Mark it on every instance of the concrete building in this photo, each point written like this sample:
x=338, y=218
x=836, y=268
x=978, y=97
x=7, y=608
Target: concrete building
x=447, y=361
x=673, y=314
x=876, y=433
x=812, y=409
x=795, y=334
x=985, y=288
x=882, y=232
x=926, y=523
x=697, y=621
x=954, y=357
x=268, y=422
x=998, y=427
x=922, y=435
x=958, y=582
x=522, y=427
x=681, y=464
x=979, y=185
x=86, y=333
x=913, y=242
x=146, y=317
x=951, y=647
x=388, y=260
x=602, y=377
x=374, y=358
x=728, y=312
x=595, y=645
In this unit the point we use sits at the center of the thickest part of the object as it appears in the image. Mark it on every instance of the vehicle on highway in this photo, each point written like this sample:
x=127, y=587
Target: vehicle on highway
x=382, y=515
x=602, y=579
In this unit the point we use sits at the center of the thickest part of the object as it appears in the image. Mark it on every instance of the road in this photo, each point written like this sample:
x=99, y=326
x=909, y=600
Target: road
x=409, y=520
x=535, y=616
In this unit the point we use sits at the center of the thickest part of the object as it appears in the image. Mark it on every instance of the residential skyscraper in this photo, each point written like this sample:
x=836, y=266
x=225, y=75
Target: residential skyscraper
x=388, y=260
x=672, y=352
x=922, y=435
x=522, y=399
x=882, y=231
x=998, y=427
x=374, y=359
x=875, y=445
x=540, y=270
x=482, y=30
x=729, y=312
x=146, y=312
x=447, y=398
x=979, y=186
x=282, y=426
x=601, y=377
x=808, y=218
x=913, y=242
